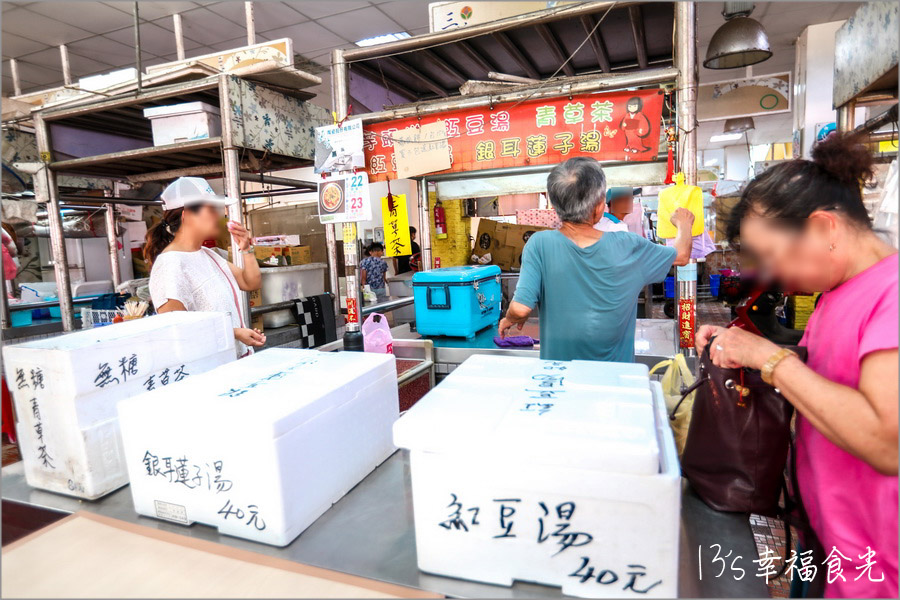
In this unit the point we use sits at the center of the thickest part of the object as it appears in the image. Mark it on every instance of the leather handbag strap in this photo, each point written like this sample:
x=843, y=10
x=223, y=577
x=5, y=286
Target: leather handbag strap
x=687, y=393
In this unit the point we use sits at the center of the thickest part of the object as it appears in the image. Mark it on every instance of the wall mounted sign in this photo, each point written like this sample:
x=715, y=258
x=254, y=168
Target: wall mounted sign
x=747, y=97
x=609, y=127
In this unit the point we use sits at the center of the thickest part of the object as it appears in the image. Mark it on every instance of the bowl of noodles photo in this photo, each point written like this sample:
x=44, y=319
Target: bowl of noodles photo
x=332, y=197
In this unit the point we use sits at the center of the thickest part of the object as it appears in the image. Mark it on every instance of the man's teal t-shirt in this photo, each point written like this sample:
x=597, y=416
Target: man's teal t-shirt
x=587, y=297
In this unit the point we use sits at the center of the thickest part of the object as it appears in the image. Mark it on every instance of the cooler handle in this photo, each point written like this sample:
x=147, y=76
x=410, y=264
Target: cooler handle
x=432, y=305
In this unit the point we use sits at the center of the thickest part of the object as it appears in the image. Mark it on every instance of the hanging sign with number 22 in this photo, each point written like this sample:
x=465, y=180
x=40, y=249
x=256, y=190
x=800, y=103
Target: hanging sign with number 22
x=345, y=198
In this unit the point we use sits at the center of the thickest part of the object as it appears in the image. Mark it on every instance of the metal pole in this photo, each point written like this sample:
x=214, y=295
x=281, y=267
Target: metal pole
x=426, y=263
x=113, y=240
x=45, y=191
x=231, y=161
x=686, y=114
x=14, y=71
x=179, y=36
x=251, y=23
x=339, y=95
x=283, y=181
x=138, y=60
x=64, y=59
x=846, y=117
x=353, y=335
x=568, y=86
x=5, y=318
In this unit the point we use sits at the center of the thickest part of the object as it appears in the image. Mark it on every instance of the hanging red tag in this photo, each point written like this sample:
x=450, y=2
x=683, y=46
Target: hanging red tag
x=686, y=323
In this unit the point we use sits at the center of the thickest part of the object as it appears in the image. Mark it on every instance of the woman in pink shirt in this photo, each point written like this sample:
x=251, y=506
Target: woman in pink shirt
x=805, y=223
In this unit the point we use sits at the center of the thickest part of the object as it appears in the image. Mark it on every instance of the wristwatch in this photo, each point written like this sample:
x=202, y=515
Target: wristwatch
x=249, y=250
x=768, y=369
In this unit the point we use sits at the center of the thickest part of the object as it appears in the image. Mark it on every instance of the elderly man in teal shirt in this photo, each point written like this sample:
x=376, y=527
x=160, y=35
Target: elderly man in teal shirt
x=586, y=282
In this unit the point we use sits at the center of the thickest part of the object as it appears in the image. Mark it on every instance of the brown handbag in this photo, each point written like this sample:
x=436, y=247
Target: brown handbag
x=737, y=444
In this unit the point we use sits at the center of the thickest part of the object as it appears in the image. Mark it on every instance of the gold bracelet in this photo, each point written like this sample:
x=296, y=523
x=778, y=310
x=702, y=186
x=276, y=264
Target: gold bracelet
x=768, y=370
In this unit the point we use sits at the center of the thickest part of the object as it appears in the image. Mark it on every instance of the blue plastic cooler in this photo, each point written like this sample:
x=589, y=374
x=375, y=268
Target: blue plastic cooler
x=457, y=301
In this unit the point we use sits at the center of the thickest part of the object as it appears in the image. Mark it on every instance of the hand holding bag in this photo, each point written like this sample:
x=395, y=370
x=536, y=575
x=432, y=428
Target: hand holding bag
x=738, y=440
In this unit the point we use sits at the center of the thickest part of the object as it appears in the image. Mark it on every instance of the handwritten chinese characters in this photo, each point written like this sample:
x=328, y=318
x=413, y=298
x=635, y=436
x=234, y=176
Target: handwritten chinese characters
x=32, y=383
x=234, y=392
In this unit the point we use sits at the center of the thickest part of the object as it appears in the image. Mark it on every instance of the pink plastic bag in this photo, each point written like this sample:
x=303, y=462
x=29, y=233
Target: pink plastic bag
x=377, y=334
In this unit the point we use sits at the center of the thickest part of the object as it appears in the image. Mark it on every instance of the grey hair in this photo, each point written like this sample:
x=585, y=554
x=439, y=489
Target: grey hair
x=575, y=188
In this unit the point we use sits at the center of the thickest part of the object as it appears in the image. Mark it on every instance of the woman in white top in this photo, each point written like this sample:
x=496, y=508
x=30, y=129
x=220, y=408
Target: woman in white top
x=186, y=276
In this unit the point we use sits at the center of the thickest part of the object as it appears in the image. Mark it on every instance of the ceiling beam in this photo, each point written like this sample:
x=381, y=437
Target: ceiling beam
x=516, y=54
x=415, y=74
x=378, y=77
x=475, y=57
x=637, y=30
x=440, y=63
x=555, y=48
x=596, y=42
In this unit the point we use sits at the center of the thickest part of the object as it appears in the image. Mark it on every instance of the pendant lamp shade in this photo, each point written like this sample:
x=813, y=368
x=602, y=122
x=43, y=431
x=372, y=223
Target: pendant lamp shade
x=739, y=42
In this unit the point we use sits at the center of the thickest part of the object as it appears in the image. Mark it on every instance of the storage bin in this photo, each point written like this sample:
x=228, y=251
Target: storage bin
x=66, y=388
x=21, y=318
x=262, y=447
x=715, y=282
x=289, y=283
x=552, y=472
x=669, y=284
x=457, y=301
x=183, y=122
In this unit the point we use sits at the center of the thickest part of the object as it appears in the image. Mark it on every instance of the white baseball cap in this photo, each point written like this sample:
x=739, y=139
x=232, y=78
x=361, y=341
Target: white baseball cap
x=191, y=191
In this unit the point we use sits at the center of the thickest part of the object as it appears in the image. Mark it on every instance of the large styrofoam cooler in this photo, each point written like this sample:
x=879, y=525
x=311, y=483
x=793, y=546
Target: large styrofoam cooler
x=457, y=301
x=554, y=472
x=280, y=284
x=66, y=389
x=261, y=448
x=183, y=122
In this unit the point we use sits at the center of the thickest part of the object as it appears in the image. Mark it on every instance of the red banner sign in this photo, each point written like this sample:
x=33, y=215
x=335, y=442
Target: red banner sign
x=686, y=323
x=352, y=312
x=611, y=126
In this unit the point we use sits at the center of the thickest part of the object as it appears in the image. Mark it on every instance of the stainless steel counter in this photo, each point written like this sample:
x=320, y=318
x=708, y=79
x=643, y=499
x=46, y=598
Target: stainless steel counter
x=370, y=533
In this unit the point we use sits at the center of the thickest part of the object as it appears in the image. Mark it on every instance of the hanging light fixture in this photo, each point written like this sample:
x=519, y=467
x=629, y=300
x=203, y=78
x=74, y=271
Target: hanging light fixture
x=738, y=125
x=740, y=42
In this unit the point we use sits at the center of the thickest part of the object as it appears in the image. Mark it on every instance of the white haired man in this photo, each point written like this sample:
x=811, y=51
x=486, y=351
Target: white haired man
x=587, y=281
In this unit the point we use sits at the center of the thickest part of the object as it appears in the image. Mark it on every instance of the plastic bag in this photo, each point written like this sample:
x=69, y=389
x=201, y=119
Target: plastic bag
x=676, y=378
x=679, y=196
x=377, y=334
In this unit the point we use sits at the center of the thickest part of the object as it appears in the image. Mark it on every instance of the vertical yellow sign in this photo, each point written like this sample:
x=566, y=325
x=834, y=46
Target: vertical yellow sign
x=396, y=225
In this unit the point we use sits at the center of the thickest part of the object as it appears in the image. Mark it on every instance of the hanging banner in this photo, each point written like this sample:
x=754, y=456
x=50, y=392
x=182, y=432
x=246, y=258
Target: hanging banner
x=396, y=226
x=345, y=198
x=611, y=126
x=686, y=323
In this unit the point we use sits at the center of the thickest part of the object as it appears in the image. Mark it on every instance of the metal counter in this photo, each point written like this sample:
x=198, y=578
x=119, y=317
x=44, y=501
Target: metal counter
x=654, y=341
x=370, y=533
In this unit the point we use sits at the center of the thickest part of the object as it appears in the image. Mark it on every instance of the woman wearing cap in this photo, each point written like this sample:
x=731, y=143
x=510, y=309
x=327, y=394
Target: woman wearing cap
x=186, y=276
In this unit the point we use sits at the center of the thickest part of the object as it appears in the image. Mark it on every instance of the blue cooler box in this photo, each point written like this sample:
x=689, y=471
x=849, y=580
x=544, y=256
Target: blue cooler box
x=457, y=301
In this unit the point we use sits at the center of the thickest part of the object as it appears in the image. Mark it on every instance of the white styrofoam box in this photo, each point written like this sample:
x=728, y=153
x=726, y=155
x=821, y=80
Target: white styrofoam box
x=280, y=284
x=625, y=379
x=311, y=426
x=183, y=122
x=512, y=484
x=66, y=388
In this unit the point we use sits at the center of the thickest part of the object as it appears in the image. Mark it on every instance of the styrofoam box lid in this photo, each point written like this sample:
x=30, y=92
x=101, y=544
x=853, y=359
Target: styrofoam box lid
x=461, y=274
x=603, y=428
x=630, y=380
x=87, y=338
x=185, y=108
x=279, y=387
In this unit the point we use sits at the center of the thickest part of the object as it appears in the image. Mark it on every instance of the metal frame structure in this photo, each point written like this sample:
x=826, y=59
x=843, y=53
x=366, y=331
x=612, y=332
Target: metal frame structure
x=214, y=155
x=683, y=75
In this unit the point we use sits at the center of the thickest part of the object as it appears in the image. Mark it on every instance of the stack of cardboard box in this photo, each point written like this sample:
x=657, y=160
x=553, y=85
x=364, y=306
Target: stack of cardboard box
x=505, y=242
x=292, y=255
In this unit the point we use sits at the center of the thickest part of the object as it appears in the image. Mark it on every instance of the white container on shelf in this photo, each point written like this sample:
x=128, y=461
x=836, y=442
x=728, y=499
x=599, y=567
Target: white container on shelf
x=523, y=470
x=184, y=122
x=288, y=283
x=262, y=447
x=66, y=388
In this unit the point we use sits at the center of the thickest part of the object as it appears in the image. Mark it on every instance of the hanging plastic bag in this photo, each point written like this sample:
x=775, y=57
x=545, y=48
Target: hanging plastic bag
x=377, y=334
x=676, y=378
x=679, y=196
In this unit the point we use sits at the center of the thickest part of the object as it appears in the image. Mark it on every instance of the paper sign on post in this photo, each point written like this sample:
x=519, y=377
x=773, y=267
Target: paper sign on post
x=345, y=198
x=421, y=149
x=396, y=225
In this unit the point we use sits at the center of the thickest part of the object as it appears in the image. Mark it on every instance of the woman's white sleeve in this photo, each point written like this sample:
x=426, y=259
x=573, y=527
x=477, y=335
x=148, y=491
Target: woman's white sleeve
x=168, y=283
